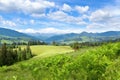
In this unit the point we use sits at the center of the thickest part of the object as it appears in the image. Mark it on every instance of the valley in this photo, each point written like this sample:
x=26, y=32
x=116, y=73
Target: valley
x=59, y=39
x=86, y=63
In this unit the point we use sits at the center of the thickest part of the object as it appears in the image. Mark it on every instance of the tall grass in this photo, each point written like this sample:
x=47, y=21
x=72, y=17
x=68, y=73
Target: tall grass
x=101, y=63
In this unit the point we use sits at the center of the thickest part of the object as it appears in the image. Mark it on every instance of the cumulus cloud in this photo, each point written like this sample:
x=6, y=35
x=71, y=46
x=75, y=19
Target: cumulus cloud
x=38, y=15
x=32, y=21
x=105, y=19
x=51, y=30
x=25, y=6
x=82, y=9
x=7, y=22
x=100, y=15
x=66, y=7
x=64, y=17
x=102, y=19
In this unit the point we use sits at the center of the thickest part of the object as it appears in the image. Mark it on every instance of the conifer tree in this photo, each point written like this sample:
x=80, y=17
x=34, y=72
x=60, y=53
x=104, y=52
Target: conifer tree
x=19, y=54
x=3, y=54
x=9, y=57
x=15, y=56
x=0, y=58
x=23, y=55
x=28, y=52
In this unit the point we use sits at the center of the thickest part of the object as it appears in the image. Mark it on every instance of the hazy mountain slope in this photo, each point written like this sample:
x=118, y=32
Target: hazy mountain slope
x=12, y=33
x=85, y=37
x=9, y=36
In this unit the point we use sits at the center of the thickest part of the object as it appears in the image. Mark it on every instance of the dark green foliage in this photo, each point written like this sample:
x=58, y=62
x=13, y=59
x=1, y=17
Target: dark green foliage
x=23, y=55
x=4, y=54
x=75, y=46
x=28, y=52
x=36, y=42
x=19, y=54
x=54, y=43
x=101, y=63
x=9, y=56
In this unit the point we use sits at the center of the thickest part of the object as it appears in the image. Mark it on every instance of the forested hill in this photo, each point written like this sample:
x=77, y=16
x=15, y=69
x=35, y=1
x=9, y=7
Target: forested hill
x=85, y=37
x=12, y=33
x=9, y=36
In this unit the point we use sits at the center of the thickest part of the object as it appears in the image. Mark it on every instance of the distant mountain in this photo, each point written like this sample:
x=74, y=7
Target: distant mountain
x=9, y=36
x=61, y=37
x=85, y=37
x=41, y=36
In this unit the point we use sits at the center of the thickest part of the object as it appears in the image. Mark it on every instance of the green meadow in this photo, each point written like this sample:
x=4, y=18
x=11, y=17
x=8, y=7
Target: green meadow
x=63, y=63
x=45, y=51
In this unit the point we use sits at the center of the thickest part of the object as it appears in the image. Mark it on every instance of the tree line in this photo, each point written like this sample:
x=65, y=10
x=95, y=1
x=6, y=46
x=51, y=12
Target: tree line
x=77, y=45
x=10, y=55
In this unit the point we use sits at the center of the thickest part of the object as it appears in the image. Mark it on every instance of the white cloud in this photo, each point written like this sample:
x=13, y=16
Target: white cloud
x=102, y=27
x=38, y=15
x=64, y=17
x=51, y=30
x=66, y=7
x=32, y=21
x=25, y=6
x=100, y=15
x=82, y=9
x=7, y=22
x=105, y=19
x=20, y=21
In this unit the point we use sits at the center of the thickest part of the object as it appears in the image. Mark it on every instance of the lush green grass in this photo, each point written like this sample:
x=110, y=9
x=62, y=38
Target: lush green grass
x=43, y=51
x=95, y=63
x=16, y=70
x=46, y=51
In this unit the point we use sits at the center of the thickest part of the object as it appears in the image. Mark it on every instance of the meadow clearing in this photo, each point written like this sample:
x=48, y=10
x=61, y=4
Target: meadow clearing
x=62, y=63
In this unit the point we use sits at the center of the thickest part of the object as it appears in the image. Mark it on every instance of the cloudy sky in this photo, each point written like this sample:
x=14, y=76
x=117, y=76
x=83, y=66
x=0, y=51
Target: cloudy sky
x=60, y=16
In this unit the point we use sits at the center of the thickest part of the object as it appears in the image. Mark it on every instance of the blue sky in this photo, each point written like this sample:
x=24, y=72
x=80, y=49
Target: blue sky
x=60, y=16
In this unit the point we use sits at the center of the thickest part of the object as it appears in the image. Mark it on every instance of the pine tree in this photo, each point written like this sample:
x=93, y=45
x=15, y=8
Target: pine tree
x=75, y=46
x=15, y=56
x=3, y=54
x=28, y=52
x=9, y=57
x=23, y=55
x=0, y=58
x=19, y=54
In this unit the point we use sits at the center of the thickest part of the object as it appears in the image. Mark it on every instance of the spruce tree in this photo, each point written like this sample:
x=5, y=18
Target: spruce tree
x=19, y=54
x=28, y=52
x=23, y=55
x=9, y=57
x=4, y=54
x=15, y=56
x=0, y=58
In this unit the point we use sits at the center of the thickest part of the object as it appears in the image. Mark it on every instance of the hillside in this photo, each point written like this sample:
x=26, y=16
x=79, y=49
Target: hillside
x=9, y=36
x=85, y=37
x=98, y=63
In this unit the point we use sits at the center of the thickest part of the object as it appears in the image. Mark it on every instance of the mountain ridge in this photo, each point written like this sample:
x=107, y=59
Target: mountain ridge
x=10, y=36
x=103, y=36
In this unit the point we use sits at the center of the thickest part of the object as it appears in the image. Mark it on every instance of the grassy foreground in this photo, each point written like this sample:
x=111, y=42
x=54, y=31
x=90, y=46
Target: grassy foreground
x=46, y=51
x=15, y=72
x=100, y=63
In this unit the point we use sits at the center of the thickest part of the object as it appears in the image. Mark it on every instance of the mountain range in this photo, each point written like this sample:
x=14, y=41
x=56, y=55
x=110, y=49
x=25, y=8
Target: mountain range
x=85, y=37
x=9, y=36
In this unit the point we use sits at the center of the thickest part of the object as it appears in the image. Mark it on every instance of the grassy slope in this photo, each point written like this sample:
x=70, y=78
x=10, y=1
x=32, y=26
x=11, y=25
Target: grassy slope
x=16, y=71
x=44, y=51
x=99, y=63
